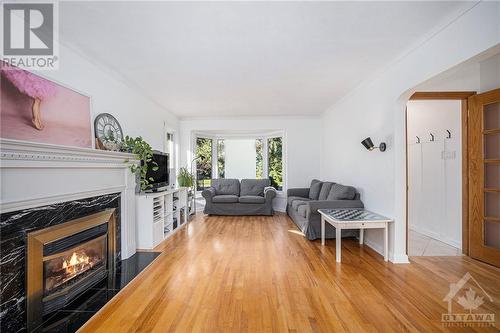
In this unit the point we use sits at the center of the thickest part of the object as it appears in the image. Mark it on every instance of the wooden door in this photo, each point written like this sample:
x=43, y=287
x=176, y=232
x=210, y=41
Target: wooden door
x=484, y=177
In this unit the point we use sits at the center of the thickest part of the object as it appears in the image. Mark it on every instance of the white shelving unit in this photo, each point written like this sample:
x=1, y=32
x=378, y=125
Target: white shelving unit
x=159, y=215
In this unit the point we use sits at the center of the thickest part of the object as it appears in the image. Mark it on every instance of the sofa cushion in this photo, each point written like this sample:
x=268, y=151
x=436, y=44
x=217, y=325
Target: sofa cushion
x=254, y=186
x=325, y=190
x=315, y=189
x=314, y=181
x=252, y=199
x=292, y=198
x=303, y=210
x=297, y=203
x=225, y=198
x=341, y=192
x=226, y=186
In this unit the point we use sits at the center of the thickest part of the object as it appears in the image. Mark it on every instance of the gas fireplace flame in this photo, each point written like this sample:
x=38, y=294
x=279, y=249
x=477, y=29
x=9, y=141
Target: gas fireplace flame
x=77, y=262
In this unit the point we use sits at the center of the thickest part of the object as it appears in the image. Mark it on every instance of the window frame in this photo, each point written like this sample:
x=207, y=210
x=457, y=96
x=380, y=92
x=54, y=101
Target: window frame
x=266, y=155
x=214, y=157
x=172, y=150
x=265, y=151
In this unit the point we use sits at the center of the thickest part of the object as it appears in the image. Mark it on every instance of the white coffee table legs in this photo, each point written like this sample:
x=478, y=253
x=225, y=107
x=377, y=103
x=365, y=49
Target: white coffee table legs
x=386, y=242
x=338, y=240
x=322, y=230
x=376, y=223
x=338, y=237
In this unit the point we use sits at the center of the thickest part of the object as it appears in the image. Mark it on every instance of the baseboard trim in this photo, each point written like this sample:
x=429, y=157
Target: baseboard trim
x=436, y=236
x=400, y=258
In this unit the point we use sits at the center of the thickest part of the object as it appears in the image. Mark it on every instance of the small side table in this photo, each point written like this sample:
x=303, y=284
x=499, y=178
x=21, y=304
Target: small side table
x=353, y=218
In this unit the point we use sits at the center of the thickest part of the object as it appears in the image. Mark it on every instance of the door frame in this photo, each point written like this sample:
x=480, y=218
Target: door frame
x=463, y=96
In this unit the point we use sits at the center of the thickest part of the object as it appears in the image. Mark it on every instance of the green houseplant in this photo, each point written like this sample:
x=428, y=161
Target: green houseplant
x=143, y=151
x=185, y=178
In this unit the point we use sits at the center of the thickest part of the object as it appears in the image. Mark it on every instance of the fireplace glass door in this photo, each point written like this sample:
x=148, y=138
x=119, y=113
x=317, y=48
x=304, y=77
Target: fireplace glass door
x=65, y=269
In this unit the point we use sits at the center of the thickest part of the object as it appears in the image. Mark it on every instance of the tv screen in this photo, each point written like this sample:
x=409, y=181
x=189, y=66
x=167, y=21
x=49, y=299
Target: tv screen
x=160, y=176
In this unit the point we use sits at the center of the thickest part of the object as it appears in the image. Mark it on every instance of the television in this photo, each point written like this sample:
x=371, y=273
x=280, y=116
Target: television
x=160, y=176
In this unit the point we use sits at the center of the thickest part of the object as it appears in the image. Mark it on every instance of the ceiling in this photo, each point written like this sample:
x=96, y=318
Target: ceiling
x=203, y=59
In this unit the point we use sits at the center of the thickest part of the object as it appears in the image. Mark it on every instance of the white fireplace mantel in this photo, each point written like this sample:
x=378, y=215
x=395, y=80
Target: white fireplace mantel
x=34, y=175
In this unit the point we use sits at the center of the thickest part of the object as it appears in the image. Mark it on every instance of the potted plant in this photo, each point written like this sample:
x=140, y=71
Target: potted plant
x=185, y=178
x=143, y=151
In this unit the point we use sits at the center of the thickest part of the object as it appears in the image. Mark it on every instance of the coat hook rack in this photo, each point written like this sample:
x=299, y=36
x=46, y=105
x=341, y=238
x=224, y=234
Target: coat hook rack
x=418, y=139
x=449, y=134
x=432, y=137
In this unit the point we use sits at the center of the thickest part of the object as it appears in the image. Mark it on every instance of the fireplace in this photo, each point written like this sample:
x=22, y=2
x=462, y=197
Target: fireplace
x=65, y=269
x=67, y=259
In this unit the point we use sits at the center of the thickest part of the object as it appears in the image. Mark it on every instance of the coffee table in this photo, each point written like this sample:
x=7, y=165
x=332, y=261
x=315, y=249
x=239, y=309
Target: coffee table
x=353, y=218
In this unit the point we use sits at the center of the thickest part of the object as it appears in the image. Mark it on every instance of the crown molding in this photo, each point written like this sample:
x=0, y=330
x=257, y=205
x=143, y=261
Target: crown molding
x=247, y=117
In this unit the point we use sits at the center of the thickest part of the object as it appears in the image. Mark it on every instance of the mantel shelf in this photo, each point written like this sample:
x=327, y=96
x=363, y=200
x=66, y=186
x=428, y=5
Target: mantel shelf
x=13, y=150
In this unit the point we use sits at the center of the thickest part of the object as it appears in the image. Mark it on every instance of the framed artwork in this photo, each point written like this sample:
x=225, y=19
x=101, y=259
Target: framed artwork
x=33, y=108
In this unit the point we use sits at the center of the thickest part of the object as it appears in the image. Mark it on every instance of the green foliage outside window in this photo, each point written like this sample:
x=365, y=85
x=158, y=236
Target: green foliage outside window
x=204, y=162
x=275, y=164
x=259, y=171
x=221, y=158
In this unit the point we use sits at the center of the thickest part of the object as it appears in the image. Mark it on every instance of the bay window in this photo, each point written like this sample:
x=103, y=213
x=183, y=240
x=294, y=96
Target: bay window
x=232, y=156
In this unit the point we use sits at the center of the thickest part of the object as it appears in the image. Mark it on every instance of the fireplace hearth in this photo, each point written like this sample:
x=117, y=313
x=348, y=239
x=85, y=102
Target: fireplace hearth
x=66, y=260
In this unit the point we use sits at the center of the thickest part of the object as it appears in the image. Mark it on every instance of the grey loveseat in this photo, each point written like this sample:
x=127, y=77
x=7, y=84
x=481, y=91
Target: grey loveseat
x=230, y=197
x=303, y=205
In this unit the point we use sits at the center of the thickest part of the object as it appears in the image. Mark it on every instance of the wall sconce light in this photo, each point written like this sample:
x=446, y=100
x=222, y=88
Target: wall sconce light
x=368, y=143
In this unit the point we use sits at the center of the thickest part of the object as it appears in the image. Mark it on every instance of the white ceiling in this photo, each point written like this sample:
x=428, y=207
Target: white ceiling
x=201, y=59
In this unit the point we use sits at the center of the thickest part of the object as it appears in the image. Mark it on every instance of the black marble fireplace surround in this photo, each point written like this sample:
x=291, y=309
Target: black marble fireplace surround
x=14, y=227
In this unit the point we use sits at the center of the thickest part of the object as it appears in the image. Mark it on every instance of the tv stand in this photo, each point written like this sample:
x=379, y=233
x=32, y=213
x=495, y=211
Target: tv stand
x=159, y=215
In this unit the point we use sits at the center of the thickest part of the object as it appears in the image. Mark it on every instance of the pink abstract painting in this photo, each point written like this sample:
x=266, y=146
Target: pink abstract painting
x=35, y=109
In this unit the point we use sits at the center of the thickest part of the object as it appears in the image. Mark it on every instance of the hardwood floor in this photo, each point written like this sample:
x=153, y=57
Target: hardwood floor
x=258, y=274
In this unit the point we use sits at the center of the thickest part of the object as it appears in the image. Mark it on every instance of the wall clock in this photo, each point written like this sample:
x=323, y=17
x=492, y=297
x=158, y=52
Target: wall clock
x=107, y=128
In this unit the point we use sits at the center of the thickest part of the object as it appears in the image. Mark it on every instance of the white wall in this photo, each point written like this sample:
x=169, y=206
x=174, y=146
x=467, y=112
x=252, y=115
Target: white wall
x=489, y=73
x=137, y=115
x=376, y=108
x=479, y=74
x=435, y=169
x=240, y=156
x=466, y=77
x=302, y=143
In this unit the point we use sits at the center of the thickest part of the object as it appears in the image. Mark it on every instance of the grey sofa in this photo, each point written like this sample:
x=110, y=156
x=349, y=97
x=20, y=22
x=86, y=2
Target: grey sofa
x=303, y=205
x=230, y=197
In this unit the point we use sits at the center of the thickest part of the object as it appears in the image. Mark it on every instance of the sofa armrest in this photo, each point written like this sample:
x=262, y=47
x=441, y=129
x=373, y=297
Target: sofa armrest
x=314, y=205
x=298, y=192
x=269, y=193
x=208, y=194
